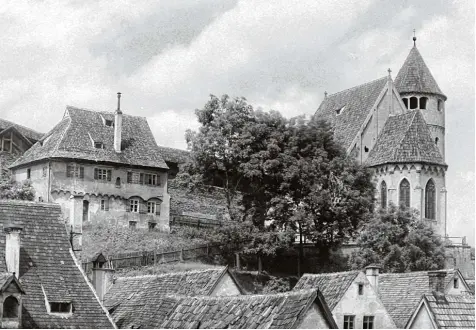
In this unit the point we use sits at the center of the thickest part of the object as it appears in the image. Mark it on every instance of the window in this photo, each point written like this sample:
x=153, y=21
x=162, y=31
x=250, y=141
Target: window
x=368, y=322
x=430, y=200
x=349, y=321
x=366, y=149
x=109, y=122
x=383, y=194
x=102, y=174
x=98, y=145
x=152, y=225
x=436, y=140
x=404, y=198
x=74, y=171
x=10, y=307
x=28, y=173
x=45, y=171
x=405, y=101
x=118, y=182
x=339, y=111
x=104, y=204
x=151, y=179
x=134, y=205
x=440, y=105
x=60, y=307
x=455, y=283
x=423, y=102
x=361, y=289
x=151, y=207
x=132, y=224
x=413, y=102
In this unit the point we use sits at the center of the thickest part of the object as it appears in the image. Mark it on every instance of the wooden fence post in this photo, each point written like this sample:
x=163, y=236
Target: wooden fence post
x=237, y=255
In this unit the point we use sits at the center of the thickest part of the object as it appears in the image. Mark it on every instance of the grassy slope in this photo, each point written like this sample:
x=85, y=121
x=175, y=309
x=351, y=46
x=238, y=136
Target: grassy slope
x=112, y=239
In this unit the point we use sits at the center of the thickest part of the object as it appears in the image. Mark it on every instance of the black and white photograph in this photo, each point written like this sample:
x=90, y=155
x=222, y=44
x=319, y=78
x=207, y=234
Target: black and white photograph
x=215, y=164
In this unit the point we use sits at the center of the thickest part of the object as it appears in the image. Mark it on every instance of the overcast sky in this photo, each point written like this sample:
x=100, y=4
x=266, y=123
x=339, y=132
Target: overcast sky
x=166, y=57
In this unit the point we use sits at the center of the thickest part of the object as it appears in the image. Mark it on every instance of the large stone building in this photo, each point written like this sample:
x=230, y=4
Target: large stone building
x=397, y=128
x=99, y=166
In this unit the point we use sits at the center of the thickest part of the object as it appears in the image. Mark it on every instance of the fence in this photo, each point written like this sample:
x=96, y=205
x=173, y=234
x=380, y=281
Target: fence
x=146, y=258
x=186, y=220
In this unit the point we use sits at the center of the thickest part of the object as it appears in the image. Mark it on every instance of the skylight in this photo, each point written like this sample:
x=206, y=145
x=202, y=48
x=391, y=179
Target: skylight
x=339, y=110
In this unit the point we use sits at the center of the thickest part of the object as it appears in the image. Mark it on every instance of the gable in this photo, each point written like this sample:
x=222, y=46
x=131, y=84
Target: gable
x=226, y=286
x=314, y=318
x=422, y=319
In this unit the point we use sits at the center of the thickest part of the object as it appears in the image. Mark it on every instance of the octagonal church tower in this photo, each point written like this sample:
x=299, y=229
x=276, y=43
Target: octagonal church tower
x=408, y=156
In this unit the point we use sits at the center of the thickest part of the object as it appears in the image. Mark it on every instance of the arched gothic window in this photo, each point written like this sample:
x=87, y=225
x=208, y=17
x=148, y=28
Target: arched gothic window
x=383, y=194
x=404, y=198
x=10, y=307
x=430, y=200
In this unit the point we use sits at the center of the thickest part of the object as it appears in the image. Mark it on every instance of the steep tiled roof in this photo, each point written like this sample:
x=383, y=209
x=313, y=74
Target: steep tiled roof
x=174, y=155
x=47, y=267
x=401, y=292
x=405, y=138
x=190, y=283
x=274, y=311
x=73, y=138
x=30, y=134
x=452, y=311
x=332, y=285
x=356, y=103
x=414, y=76
x=470, y=285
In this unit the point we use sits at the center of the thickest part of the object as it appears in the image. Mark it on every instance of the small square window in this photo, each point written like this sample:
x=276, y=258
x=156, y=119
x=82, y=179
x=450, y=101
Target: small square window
x=98, y=145
x=455, y=283
x=368, y=322
x=132, y=224
x=361, y=289
x=104, y=204
x=109, y=123
x=349, y=321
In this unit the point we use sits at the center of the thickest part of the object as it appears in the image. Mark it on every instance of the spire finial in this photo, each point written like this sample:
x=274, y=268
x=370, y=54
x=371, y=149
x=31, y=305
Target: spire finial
x=389, y=73
x=325, y=94
x=414, y=38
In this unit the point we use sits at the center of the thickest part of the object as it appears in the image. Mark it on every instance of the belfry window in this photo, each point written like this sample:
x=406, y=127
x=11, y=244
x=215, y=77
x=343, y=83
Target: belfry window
x=383, y=195
x=404, y=196
x=430, y=200
x=405, y=101
x=10, y=307
x=423, y=101
x=413, y=102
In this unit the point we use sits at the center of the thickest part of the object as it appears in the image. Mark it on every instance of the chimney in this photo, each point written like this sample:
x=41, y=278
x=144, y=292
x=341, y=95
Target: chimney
x=372, y=272
x=12, y=248
x=437, y=280
x=103, y=273
x=118, y=125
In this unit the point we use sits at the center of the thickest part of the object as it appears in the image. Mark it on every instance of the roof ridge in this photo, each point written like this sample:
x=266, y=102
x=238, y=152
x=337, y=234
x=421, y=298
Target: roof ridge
x=245, y=296
x=334, y=273
x=193, y=271
x=361, y=85
x=22, y=126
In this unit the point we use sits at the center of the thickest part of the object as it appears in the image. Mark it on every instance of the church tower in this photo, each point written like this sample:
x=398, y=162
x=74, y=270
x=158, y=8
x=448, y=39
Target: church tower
x=419, y=90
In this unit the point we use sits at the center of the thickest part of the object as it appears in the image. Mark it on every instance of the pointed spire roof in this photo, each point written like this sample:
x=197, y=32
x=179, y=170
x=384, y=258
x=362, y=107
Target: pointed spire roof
x=415, y=77
x=405, y=139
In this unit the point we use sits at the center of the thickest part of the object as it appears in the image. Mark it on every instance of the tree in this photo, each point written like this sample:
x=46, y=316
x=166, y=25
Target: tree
x=9, y=189
x=279, y=176
x=399, y=241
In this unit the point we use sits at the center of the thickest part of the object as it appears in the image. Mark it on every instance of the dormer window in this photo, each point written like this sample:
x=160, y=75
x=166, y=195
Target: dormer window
x=109, y=123
x=61, y=307
x=339, y=111
x=98, y=145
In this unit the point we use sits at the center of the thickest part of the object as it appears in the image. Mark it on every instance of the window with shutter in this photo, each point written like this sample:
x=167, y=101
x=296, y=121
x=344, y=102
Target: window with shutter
x=151, y=207
x=96, y=173
x=109, y=175
x=142, y=207
x=141, y=178
x=81, y=172
x=129, y=177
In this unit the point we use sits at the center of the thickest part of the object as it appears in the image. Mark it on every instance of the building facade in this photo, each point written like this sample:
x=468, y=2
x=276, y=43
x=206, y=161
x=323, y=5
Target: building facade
x=397, y=128
x=99, y=166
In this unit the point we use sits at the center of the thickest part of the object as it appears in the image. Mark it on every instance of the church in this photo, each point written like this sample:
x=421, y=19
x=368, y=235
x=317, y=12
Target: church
x=397, y=128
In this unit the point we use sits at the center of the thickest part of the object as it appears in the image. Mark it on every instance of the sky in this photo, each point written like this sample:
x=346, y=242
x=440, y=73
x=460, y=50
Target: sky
x=167, y=57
